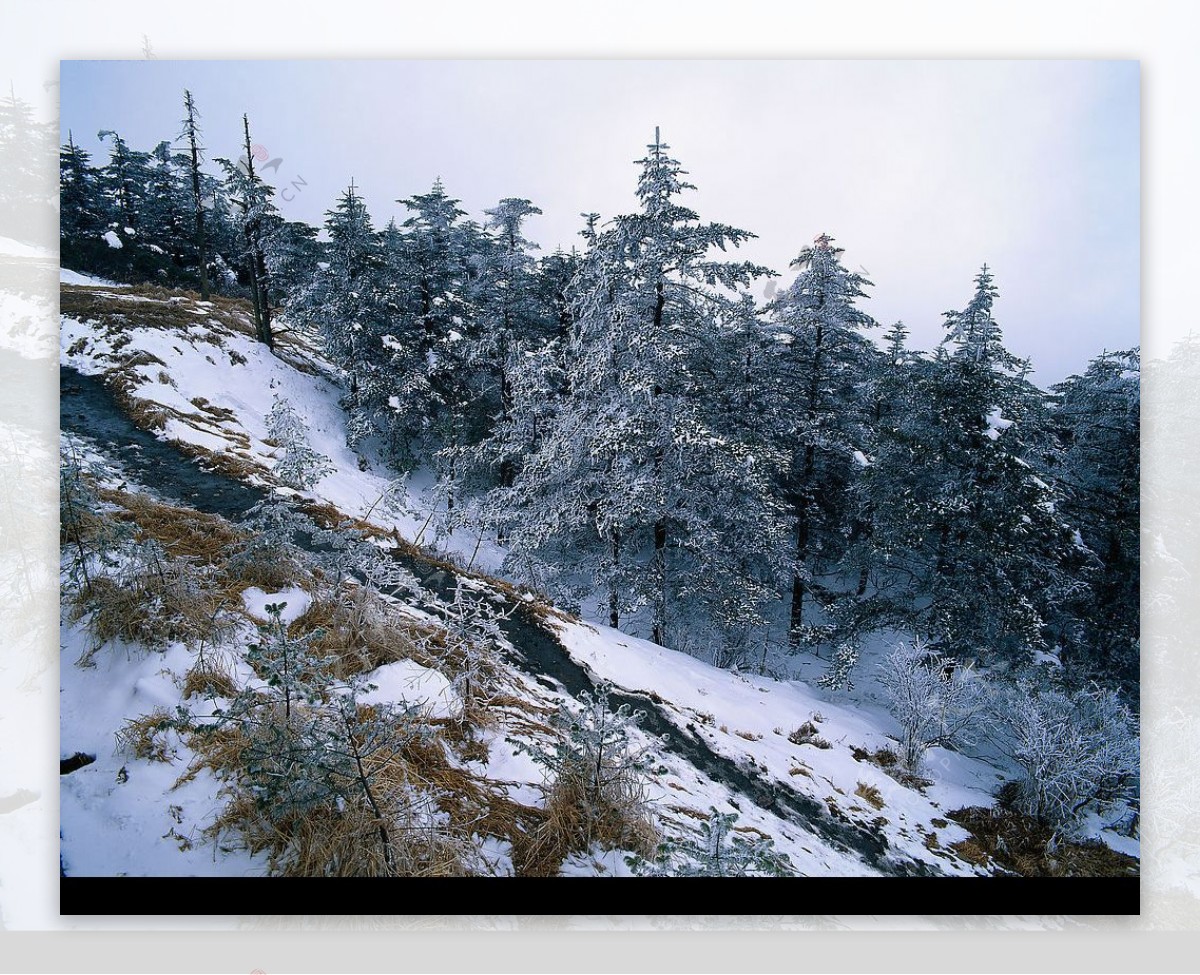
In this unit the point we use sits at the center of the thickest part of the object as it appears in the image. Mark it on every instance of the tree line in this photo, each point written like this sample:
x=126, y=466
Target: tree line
x=651, y=444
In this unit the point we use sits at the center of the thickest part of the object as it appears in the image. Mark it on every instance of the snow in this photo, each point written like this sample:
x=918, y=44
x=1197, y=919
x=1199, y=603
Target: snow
x=750, y=720
x=407, y=682
x=67, y=276
x=113, y=240
x=297, y=603
x=234, y=372
x=122, y=815
x=996, y=425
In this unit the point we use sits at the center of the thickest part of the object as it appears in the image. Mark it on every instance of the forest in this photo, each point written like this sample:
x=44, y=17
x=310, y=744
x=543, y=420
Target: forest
x=754, y=483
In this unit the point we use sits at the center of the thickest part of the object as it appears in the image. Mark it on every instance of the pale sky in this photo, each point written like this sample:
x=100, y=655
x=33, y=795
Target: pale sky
x=922, y=170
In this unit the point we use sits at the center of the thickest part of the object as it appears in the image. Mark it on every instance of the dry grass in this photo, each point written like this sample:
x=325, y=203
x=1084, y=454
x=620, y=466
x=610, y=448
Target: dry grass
x=146, y=737
x=151, y=605
x=889, y=762
x=360, y=629
x=576, y=819
x=181, y=531
x=432, y=810
x=807, y=734
x=110, y=309
x=870, y=794
x=209, y=678
x=1020, y=844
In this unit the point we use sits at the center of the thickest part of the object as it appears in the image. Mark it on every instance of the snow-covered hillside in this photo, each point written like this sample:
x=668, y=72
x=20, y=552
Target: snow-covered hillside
x=807, y=775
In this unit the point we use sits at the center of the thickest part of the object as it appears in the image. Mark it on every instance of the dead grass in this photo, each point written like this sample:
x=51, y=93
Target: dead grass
x=432, y=811
x=576, y=819
x=209, y=678
x=870, y=794
x=1021, y=845
x=151, y=605
x=183, y=532
x=362, y=631
x=166, y=308
x=889, y=762
x=807, y=734
x=146, y=737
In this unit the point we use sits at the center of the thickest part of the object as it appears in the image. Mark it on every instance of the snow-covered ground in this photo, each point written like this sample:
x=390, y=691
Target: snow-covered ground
x=204, y=381
x=215, y=385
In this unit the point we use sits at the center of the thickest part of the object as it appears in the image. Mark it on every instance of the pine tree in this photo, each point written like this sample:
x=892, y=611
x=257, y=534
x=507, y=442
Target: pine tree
x=299, y=464
x=124, y=180
x=81, y=222
x=191, y=135
x=819, y=362
x=255, y=216
x=632, y=473
x=960, y=508
x=1096, y=418
x=26, y=191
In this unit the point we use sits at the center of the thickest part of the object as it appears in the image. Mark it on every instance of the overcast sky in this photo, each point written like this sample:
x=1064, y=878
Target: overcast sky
x=922, y=170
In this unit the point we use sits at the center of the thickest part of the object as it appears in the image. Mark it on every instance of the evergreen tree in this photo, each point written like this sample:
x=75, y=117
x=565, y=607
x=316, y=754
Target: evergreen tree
x=81, y=221
x=820, y=361
x=960, y=508
x=191, y=135
x=632, y=473
x=255, y=218
x=1097, y=421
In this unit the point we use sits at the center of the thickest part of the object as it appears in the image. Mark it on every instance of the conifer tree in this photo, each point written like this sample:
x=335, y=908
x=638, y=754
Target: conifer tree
x=191, y=135
x=632, y=473
x=819, y=363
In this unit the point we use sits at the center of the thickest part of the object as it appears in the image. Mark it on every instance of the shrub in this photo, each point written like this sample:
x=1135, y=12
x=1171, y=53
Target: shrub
x=934, y=702
x=1076, y=752
x=597, y=788
x=720, y=850
x=300, y=465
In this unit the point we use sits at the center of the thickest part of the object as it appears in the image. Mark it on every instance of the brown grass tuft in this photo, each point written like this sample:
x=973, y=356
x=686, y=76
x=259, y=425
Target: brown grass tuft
x=1020, y=844
x=209, y=678
x=146, y=737
x=871, y=794
x=807, y=734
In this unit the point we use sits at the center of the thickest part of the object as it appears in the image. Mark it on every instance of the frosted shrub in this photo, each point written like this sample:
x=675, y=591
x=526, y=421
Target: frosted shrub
x=719, y=851
x=934, y=702
x=1076, y=752
x=598, y=775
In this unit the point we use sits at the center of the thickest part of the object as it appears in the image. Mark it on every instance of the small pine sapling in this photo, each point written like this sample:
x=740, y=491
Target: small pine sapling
x=720, y=850
x=300, y=465
x=597, y=779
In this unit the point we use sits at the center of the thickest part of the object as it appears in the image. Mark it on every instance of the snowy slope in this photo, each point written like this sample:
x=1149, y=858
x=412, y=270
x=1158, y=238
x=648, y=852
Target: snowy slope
x=191, y=371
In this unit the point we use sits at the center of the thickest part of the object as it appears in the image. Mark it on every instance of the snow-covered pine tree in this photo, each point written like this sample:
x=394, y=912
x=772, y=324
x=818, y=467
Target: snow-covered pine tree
x=256, y=216
x=123, y=182
x=1096, y=418
x=959, y=507
x=167, y=252
x=511, y=319
x=26, y=194
x=438, y=265
x=82, y=218
x=818, y=363
x=299, y=464
x=634, y=479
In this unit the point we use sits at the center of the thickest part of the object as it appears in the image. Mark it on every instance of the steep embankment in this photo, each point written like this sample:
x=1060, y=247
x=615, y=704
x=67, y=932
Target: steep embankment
x=171, y=395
